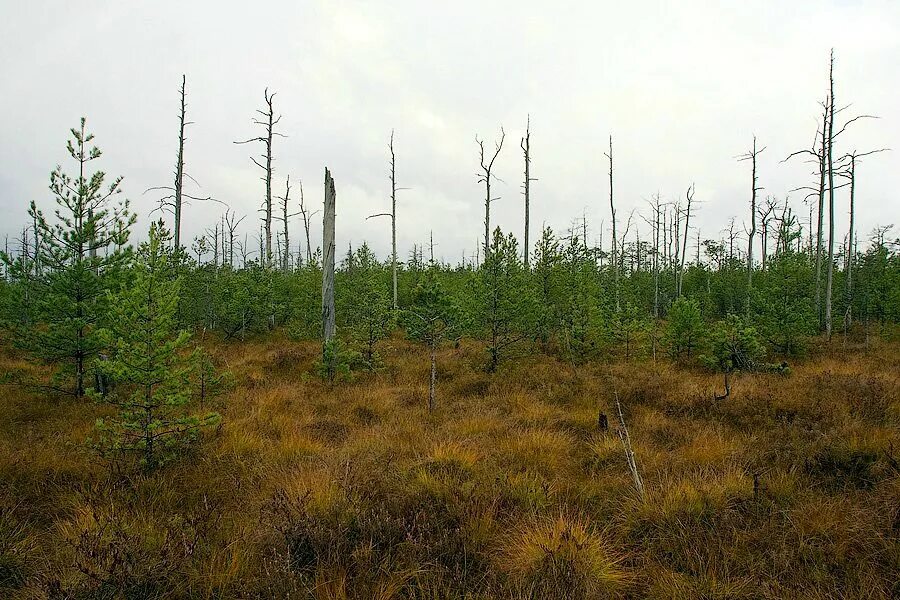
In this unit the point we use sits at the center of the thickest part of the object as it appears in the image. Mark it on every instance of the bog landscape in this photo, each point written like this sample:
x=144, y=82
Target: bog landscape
x=202, y=402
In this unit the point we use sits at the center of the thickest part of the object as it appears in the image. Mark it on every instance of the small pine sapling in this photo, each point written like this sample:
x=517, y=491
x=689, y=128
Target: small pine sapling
x=150, y=363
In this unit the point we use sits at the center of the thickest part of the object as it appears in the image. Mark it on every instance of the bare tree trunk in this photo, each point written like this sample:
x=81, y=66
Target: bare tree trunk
x=848, y=317
x=433, y=379
x=393, y=224
x=485, y=178
x=687, y=224
x=629, y=451
x=179, y=166
x=612, y=209
x=751, y=156
x=830, y=266
x=307, y=215
x=821, y=214
x=656, y=213
x=525, y=144
x=328, y=251
x=232, y=225
x=268, y=122
x=285, y=218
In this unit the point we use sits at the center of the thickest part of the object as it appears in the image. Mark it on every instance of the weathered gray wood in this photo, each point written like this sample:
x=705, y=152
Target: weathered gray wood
x=612, y=210
x=751, y=156
x=829, y=278
x=268, y=121
x=485, y=178
x=328, y=249
x=179, y=167
x=629, y=451
x=525, y=144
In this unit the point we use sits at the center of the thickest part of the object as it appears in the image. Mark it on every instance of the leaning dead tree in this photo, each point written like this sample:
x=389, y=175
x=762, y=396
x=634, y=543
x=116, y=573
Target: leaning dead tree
x=267, y=120
x=174, y=202
x=485, y=178
x=393, y=216
x=328, y=250
x=751, y=156
x=629, y=451
x=612, y=210
x=525, y=144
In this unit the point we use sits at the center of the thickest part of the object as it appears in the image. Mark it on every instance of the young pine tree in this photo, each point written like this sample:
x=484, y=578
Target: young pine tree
x=432, y=318
x=81, y=250
x=548, y=286
x=684, y=331
x=579, y=309
x=505, y=306
x=369, y=309
x=150, y=363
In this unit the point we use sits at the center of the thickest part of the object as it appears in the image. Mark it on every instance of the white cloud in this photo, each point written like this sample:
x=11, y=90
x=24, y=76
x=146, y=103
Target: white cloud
x=682, y=87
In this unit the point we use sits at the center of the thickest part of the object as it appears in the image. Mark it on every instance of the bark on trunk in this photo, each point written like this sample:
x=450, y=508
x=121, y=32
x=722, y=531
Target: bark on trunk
x=328, y=250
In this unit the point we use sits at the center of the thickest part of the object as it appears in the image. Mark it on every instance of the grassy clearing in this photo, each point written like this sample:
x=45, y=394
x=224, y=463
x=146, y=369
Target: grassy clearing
x=790, y=488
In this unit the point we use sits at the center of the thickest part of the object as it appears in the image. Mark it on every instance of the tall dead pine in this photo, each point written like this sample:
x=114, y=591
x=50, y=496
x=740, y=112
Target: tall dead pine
x=393, y=216
x=612, y=210
x=267, y=120
x=525, y=144
x=328, y=250
x=487, y=167
x=751, y=156
x=687, y=223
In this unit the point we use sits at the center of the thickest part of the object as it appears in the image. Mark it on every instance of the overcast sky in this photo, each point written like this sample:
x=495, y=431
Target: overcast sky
x=682, y=87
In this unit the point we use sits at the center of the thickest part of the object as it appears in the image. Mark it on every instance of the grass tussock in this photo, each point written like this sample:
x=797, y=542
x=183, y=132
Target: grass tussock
x=509, y=489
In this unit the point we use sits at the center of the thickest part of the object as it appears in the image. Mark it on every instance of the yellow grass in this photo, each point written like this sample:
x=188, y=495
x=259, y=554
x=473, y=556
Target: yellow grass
x=508, y=490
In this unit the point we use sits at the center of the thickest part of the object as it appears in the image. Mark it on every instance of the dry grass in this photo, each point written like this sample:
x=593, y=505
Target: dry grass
x=790, y=488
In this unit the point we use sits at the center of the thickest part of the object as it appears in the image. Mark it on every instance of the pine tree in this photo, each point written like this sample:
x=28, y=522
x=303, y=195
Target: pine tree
x=150, y=363
x=369, y=308
x=684, y=332
x=505, y=306
x=432, y=318
x=82, y=249
x=547, y=285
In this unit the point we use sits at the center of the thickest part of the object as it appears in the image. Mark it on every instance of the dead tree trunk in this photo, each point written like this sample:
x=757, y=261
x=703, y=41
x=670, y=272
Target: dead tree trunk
x=751, y=156
x=765, y=216
x=829, y=279
x=612, y=210
x=629, y=451
x=485, y=178
x=179, y=166
x=232, y=224
x=328, y=250
x=268, y=121
x=307, y=217
x=687, y=225
x=394, y=227
x=848, y=287
x=285, y=218
x=525, y=144
x=393, y=217
x=821, y=213
x=656, y=257
x=432, y=348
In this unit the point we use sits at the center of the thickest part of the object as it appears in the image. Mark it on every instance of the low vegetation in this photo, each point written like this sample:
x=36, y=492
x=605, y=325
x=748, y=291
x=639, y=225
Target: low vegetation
x=508, y=488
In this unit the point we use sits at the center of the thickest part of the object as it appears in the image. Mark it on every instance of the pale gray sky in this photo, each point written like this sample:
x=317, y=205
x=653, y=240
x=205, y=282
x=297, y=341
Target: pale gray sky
x=682, y=86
